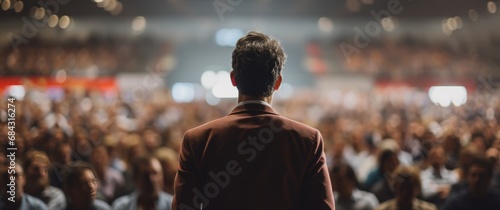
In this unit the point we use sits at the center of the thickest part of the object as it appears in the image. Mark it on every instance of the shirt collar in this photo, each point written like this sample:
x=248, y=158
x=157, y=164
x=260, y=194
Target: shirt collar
x=254, y=102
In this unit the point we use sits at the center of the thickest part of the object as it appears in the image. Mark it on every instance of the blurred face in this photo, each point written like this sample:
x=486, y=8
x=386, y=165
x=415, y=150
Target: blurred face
x=478, y=180
x=64, y=154
x=342, y=184
x=149, y=180
x=405, y=191
x=19, y=180
x=100, y=157
x=437, y=157
x=392, y=164
x=36, y=174
x=84, y=189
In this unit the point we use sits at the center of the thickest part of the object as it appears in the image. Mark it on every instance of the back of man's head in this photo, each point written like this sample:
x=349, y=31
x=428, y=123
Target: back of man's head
x=257, y=63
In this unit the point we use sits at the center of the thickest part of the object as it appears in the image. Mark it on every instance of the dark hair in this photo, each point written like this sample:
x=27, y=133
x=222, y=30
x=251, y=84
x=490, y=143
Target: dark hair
x=140, y=161
x=75, y=171
x=344, y=169
x=483, y=162
x=382, y=159
x=257, y=63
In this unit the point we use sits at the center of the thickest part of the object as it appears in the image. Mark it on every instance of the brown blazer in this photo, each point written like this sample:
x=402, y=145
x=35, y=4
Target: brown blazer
x=253, y=159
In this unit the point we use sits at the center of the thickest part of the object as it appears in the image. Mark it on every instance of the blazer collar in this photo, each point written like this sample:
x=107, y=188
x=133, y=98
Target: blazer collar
x=253, y=108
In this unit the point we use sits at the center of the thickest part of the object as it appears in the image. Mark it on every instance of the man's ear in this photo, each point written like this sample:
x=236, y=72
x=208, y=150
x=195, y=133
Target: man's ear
x=233, y=79
x=278, y=83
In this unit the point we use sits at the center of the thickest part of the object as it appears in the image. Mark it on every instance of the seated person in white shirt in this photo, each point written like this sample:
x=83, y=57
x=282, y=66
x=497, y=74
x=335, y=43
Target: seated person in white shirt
x=346, y=193
x=436, y=179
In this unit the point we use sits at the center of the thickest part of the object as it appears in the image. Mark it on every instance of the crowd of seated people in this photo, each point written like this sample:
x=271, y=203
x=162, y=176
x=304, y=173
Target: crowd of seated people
x=410, y=57
x=94, y=56
x=123, y=154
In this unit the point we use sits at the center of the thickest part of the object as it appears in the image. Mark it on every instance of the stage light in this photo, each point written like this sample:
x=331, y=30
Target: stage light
x=208, y=79
x=16, y=91
x=18, y=6
x=183, y=92
x=285, y=91
x=492, y=7
x=472, y=14
x=325, y=24
x=52, y=22
x=139, y=23
x=387, y=24
x=446, y=95
x=228, y=37
x=64, y=22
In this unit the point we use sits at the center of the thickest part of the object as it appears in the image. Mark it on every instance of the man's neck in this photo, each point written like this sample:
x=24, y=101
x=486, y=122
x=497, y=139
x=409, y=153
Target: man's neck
x=144, y=201
x=267, y=99
x=34, y=189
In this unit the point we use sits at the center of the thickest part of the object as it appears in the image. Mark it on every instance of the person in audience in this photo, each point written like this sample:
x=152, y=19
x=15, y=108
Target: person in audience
x=387, y=162
x=80, y=185
x=12, y=196
x=407, y=185
x=436, y=179
x=467, y=154
x=346, y=192
x=148, y=179
x=110, y=179
x=378, y=181
x=62, y=161
x=36, y=165
x=170, y=163
x=478, y=194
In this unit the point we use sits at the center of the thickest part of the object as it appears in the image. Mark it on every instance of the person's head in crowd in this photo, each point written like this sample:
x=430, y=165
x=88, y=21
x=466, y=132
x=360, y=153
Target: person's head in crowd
x=100, y=160
x=63, y=153
x=9, y=174
x=388, y=161
x=170, y=163
x=479, y=175
x=134, y=151
x=479, y=141
x=80, y=185
x=344, y=180
x=257, y=62
x=407, y=185
x=437, y=157
x=36, y=166
x=467, y=154
x=148, y=176
x=4, y=162
x=152, y=140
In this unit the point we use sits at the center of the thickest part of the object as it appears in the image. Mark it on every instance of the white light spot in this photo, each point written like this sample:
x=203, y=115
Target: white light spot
x=325, y=24
x=208, y=79
x=16, y=91
x=183, y=92
x=139, y=23
x=446, y=95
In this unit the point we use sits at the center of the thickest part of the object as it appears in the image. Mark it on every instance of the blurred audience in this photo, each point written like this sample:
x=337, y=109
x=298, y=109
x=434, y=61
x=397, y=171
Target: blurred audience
x=346, y=192
x=436, y=179
x=12, y=196
x=149, y=195
x=36, y=165
x=407, y=186
x=478, y=193
x=111, y=181
x=379, y=181
x=80, y=186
